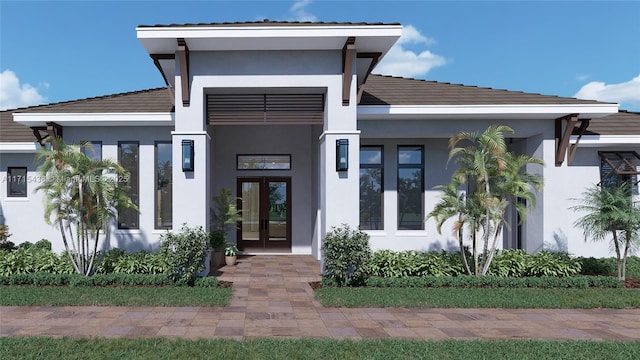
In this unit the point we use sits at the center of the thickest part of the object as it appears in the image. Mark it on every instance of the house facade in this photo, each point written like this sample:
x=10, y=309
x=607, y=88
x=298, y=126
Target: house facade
x=290, y=117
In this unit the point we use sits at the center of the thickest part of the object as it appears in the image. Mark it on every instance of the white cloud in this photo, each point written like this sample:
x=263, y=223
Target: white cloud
x=14, y=95
x=623, y=92
x=300, y=13
x=402, y=61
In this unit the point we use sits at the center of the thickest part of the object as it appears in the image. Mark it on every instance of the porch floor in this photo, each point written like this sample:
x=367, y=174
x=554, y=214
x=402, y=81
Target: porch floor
x=272, y=298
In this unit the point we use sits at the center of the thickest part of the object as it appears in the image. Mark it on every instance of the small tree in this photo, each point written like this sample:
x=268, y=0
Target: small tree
x=611, y=211
x=494, y=177
x=225, y=215
x=81, y=197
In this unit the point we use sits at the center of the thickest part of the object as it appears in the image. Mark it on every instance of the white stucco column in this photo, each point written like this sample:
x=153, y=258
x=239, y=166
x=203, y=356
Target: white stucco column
x=191, y=189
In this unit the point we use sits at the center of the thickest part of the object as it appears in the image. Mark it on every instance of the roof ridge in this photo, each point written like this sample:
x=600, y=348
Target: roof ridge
x=99, y=97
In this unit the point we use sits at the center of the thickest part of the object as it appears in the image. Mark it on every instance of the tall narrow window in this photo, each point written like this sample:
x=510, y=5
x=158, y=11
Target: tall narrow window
x=410, y=188
x=128, y=157
x=371, y=188
x=17, y=182
x=164, y=188
x=93, y=150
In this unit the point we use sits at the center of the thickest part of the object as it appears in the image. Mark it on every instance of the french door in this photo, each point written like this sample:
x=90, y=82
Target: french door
x=265, y=205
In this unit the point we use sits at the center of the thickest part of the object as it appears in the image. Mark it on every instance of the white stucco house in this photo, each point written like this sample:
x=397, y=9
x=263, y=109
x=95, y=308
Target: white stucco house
x=290, y=117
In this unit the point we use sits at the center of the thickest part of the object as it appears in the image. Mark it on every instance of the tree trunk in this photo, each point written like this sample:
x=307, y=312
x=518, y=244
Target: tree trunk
x=463, y=254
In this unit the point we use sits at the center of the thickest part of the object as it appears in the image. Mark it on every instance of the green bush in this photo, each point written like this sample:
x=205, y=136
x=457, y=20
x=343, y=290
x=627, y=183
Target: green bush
x=31, y=259
x=346, y=252
x=607, y=266
x=579, y=281
x=207, y=281
x=545, y=263
x=388, y=263
x=185, y=252
x=109, y=259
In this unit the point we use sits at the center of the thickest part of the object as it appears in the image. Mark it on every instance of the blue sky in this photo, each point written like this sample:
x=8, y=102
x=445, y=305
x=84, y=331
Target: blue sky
x=54, y=51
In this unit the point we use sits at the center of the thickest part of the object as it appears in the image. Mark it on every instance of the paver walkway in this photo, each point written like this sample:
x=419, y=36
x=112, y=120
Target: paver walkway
x=272, y=298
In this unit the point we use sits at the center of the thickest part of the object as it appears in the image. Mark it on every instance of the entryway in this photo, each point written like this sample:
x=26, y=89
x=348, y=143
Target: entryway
x=265, y=205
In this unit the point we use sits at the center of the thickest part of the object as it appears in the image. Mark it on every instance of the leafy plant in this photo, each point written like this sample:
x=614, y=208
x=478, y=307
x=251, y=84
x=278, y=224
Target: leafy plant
x=493, y=177
x=611, y=212
x=225, y=216
x=230, y=250
x=217, y=240
x=81, y=197
x=185, y=252
x=345, y=251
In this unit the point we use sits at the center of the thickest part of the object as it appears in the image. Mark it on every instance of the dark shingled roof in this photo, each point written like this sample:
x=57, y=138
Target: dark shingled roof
x=389, y=90
x=379, y=90
x=267, y=22
x=621, y=123
x=151, y=101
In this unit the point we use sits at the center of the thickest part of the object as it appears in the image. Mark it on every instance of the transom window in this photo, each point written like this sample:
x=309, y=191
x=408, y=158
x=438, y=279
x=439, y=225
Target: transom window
x=618, y=167
x=371, y=188
x=410, y=188
x=263, y=162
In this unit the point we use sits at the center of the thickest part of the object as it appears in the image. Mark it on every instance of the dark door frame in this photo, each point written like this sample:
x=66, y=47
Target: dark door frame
x=264, y=244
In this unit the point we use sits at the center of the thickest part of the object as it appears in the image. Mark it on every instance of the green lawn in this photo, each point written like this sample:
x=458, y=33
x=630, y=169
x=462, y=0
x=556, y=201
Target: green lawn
x=479, y=297
x=156, y=348
x=114, y=296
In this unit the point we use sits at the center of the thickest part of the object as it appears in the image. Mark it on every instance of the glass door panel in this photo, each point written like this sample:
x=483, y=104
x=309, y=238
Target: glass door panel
x=250, y=199
x=278, y=211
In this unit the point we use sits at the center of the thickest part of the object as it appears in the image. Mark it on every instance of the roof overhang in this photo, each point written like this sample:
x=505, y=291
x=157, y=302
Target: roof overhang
x=95, y=119
x=479, y=112
x=19, y=147
x=369, y=38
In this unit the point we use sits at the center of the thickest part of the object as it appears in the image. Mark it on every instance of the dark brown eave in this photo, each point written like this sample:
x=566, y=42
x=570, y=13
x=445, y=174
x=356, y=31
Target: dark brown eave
x=267, y=22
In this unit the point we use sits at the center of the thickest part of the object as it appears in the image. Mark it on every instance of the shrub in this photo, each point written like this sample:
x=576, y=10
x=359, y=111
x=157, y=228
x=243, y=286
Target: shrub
x=389, y=263
x=579, y=281
x=345, y=251
x=109, y=260
x=509, y=263
x=207, y=281
x=185, y=253
x=545, y=263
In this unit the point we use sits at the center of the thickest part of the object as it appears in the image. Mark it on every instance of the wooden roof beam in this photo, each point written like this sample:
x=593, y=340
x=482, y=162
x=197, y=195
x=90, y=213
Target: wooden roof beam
x=183, y=56
x=52, y=130
x=562, y=137
x=584, y=124
x=348, y=54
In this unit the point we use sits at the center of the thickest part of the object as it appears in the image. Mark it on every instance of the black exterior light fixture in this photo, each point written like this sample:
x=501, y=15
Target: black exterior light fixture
x=187, y=155
x=342, y=155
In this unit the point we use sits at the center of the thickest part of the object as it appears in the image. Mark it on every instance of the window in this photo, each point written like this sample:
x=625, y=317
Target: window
x=164, y=187
x=93, y=150
x=263, y=162
x=410, y=188
x=371, y=188
x=617, y=167
x=17, y=182
x=128, y=157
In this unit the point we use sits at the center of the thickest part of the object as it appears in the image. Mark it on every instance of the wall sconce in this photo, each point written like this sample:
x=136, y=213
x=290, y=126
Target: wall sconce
x=342, y=155
x=187, y=155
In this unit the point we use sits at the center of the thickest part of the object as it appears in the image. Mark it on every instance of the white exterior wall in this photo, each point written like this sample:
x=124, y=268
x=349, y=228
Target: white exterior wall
x=272, y=71
x=25, y=216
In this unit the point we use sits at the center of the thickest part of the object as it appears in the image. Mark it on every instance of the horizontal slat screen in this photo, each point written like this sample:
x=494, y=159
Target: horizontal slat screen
x=265, y=108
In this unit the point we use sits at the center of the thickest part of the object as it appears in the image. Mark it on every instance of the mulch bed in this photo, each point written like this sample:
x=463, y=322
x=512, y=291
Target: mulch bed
x=225, y=284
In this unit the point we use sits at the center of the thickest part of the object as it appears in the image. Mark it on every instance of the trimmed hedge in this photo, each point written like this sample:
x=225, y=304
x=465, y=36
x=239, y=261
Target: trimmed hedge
x=578, y=281
x=114, y=279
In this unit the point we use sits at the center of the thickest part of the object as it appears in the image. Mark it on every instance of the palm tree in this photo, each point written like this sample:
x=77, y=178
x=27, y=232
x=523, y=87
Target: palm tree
x=494, y=178
x=81, y=197
x=611, y=211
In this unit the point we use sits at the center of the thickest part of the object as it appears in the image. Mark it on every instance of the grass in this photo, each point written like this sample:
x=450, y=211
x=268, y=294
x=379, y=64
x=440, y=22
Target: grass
x=479, y=298
x=161, y=348
x=113, y=296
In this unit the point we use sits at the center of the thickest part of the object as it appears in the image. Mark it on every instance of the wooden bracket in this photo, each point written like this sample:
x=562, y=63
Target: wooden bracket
x=52, y=130
x=183, y=56
x=584, y=124
x=562, y=137
x=348, y=53
x=375, y=57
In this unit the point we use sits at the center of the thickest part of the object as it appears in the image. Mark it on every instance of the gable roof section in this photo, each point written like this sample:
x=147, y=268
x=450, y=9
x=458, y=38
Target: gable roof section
x=145, y=101
x=390, y=90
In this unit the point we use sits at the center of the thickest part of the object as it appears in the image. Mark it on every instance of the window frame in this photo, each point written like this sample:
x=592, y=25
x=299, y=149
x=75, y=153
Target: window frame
x=84, y=150
x=137, y=190
x=373, y=166
x=10, y=181
x=420, y=166
x=155, y=181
